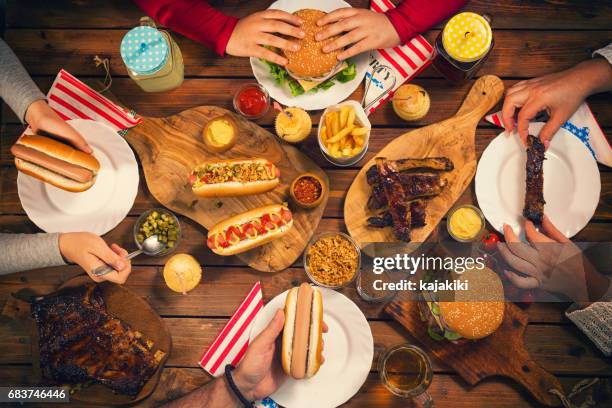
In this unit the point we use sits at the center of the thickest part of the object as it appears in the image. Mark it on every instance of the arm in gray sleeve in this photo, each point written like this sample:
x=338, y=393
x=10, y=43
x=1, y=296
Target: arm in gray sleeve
x=16, y=87
x=605, y=52
x=23, y=252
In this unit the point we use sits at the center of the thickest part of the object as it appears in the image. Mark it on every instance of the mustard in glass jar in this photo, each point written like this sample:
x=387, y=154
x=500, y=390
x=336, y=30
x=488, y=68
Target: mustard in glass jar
x=463, y=46
x=152, y=58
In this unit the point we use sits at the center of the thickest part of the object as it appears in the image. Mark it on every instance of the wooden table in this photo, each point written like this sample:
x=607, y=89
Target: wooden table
x=532, y=38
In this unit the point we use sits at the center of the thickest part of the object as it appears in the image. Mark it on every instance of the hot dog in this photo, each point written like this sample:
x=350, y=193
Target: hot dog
x=250, y=229
x=302, y=346
x=55, y=163
x=228, y=178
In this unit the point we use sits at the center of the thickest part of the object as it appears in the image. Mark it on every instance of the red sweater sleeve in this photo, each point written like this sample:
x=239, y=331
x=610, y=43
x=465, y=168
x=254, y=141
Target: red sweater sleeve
x=413, y=17
x=195, y=19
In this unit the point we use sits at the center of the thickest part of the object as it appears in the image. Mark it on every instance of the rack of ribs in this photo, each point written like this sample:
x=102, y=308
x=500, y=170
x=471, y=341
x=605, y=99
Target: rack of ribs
x=534, y=194
x=81, y=343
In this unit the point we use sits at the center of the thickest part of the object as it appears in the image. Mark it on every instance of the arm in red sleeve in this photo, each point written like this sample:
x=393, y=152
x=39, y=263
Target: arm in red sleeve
x=195, y=19
x=413, y=17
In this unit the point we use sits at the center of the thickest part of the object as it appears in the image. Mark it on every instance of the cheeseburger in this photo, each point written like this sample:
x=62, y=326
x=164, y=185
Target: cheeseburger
x=470, y=314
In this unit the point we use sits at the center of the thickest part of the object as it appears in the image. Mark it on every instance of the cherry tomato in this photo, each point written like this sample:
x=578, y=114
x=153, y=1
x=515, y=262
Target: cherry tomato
x=490, y=240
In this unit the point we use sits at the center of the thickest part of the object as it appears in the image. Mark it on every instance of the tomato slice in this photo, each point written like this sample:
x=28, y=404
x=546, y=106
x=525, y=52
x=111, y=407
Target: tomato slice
x=211, y=242
x=266, y=219
x=286, y=215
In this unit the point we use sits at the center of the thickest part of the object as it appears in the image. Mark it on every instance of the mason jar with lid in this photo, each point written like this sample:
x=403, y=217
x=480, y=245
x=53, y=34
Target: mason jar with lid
x=152, y=57
x=463, y=46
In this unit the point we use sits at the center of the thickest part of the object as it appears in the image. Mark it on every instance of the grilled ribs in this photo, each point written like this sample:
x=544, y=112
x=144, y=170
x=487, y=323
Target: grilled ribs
x=403, y=165
x=416, y=220
x=416, y=186
x=81, y=343
x=534, y=194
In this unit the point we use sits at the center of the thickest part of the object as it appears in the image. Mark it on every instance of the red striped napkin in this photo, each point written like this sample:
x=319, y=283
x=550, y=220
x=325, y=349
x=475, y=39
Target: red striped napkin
x=232, y=342
x=72, y=99
x=404, y=62
x=581, y=124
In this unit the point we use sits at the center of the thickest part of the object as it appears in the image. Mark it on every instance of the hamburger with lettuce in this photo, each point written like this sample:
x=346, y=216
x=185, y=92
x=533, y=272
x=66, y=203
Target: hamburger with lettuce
x=309, y=69
x=465, y=315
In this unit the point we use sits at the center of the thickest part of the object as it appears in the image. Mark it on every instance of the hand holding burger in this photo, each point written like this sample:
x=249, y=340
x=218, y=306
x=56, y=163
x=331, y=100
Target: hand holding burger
x=360, y=30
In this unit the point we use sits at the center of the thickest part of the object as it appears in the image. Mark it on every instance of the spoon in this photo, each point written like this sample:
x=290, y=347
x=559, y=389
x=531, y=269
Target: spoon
x=151, y=246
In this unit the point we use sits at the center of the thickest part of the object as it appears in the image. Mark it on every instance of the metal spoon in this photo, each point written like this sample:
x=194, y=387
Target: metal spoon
x=151, y=246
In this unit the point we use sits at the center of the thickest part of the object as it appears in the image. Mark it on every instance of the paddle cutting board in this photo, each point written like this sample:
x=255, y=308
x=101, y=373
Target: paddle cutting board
x=502, y=353
x=170, y=148
x=453, y=138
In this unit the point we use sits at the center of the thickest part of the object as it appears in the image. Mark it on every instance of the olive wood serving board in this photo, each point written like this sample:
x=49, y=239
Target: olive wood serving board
x=453, y=138
x=123, y=304
x=503, y=353
x=170, y=148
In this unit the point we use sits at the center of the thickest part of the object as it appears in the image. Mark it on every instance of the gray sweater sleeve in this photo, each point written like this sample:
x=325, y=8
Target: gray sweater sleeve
x=23, y=252
x=16, y=87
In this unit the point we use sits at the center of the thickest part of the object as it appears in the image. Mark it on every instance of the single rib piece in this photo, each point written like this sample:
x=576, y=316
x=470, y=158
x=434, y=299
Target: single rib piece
x=534, y=194
x=403, y=165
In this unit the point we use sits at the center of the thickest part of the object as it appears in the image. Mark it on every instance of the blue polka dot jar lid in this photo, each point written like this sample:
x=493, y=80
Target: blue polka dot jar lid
x=144, y=50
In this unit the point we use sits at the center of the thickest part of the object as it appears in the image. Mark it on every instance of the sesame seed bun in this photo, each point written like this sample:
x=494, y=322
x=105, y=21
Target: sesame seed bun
x=478, y=311
x=310, y=62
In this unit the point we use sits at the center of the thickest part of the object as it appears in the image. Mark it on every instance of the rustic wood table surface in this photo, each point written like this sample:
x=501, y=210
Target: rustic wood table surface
x=531, y=38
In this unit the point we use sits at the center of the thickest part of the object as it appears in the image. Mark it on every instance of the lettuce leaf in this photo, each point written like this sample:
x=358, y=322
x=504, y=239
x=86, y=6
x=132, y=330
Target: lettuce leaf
x=281, y=76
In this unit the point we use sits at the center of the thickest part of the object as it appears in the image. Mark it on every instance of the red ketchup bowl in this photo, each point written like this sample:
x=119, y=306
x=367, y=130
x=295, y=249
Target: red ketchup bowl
x=252, y=101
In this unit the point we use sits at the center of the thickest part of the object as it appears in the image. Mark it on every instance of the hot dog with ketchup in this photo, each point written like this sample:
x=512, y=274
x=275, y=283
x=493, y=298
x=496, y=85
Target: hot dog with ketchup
x=229, y=178
x=55, y=163
x=250, y=229
x=302, y=347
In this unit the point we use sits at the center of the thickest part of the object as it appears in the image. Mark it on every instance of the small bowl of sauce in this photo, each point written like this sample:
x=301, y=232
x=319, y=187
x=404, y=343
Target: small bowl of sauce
x=307, y=190
x=465, y=223
x=252, y=101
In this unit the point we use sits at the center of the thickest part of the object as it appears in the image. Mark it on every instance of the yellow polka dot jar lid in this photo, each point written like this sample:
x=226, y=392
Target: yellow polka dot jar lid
x=467, y=37
x=144, y=50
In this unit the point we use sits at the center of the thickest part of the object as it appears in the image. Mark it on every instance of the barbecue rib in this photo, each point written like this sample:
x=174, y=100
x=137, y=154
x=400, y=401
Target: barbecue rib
x=417, y=216
x=418, y=185
x=534, y=195
x=395, y=194
x=81, y=343
x=403, y=165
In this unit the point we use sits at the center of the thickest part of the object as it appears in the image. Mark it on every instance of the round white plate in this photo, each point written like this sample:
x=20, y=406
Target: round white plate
x=320, y=99
x=348, y=351
x=98, y=209
x=571, y=182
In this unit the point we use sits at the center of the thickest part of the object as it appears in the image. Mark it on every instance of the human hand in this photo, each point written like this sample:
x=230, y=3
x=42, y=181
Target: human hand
x=40, y=116
x=259, y=374
x=552, y=262
x=364, y=29
x=559, y=94
x=254, y=32
x=90, y=251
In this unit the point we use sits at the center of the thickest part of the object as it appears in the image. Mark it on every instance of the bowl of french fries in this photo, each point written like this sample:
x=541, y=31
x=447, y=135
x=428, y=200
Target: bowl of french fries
x=344, y=133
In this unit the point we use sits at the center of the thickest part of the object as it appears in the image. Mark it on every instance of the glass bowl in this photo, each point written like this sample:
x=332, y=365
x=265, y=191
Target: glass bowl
x=141, y=221
x=329, y=234
x=478, y=234
x=247, y=86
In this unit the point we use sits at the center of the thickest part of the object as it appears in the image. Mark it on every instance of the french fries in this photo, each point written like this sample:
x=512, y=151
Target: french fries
x=341, y=134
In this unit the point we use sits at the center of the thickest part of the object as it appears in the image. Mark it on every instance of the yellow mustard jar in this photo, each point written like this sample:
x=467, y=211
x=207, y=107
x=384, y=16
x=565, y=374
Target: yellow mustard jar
x=152, y=58
x=463, y=46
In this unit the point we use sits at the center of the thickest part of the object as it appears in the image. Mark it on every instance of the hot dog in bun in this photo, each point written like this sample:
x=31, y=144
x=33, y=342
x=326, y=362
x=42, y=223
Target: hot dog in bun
x=227, y=178
x=302, y=347
x=249, y=229
x=55, y=163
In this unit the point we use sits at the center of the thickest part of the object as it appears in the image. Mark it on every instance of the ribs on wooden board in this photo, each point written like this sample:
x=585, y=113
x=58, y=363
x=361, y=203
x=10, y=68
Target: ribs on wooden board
x=534, y=192
x=81, y=343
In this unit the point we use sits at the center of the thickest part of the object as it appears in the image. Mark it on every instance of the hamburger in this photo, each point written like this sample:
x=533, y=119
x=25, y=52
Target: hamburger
x=309, y=68
x=465, y=315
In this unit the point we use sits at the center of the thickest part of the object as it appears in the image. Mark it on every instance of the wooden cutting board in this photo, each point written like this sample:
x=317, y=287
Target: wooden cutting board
x=453, y=138
x=503, y=353
x=169, y=149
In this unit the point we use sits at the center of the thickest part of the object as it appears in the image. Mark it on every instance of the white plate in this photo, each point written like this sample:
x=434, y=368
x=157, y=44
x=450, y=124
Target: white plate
x=98, y=209
x=320, y=99
x=571, y=182
x=348, y=351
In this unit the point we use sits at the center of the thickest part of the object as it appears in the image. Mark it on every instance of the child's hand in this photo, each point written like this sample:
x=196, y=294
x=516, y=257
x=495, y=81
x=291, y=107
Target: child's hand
x=254, y=32
x=364, y=29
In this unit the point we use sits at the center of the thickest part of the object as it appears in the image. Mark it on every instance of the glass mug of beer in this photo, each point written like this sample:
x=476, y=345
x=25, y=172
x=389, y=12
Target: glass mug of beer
x=406, y=371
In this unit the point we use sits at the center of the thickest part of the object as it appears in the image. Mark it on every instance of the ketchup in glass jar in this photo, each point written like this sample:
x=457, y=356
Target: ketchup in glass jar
x=463, y=46
x=252, y=101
